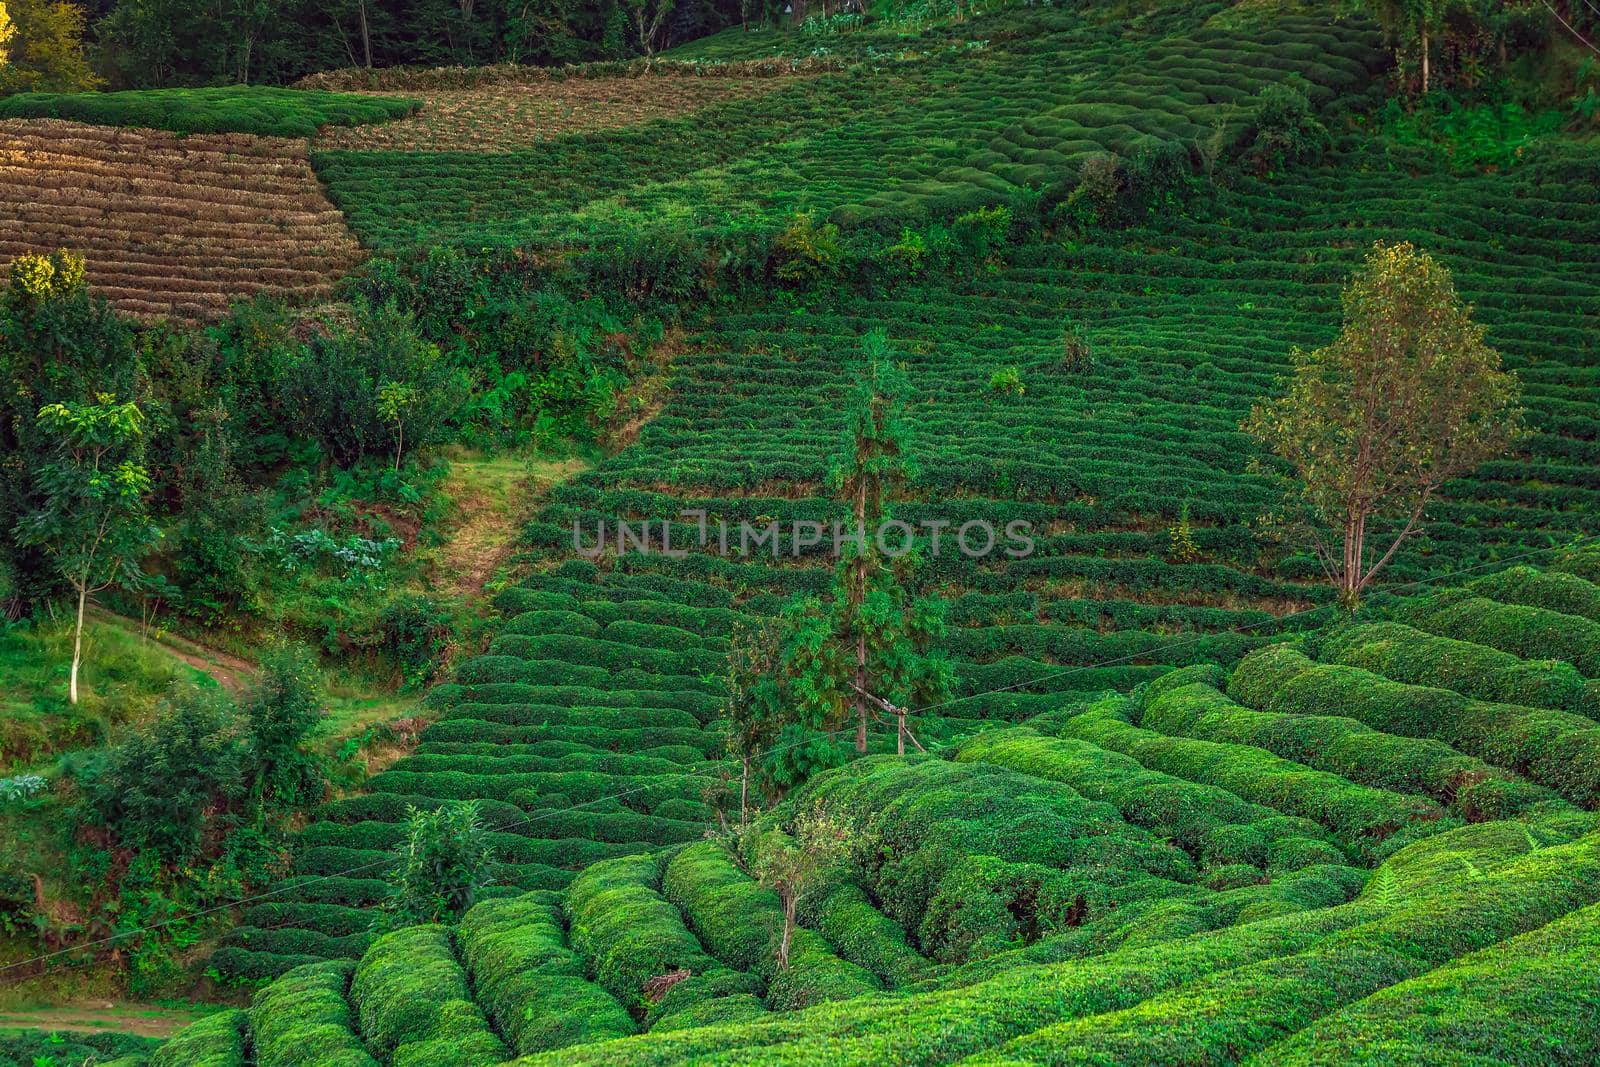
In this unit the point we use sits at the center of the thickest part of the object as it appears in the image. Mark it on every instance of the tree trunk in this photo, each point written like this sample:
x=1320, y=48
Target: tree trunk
x=744, y=791
x=861, y=685
x=399, y=444
x=900, y=732
x=1424, y=60
x=77, y=647
x=366, y=36
x=789, y=902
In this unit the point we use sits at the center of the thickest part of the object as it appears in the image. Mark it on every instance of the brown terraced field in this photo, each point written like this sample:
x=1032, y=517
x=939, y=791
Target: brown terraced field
x=171, y=225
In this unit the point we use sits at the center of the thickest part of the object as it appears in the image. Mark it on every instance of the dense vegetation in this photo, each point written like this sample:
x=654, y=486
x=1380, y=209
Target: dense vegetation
x=1165, y=787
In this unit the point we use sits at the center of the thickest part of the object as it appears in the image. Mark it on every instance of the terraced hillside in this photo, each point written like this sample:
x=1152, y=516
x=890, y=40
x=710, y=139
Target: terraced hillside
x=1292, y=861
x=1279, y=850
x=171, y=225
x=982, y=113
x=1178, y=808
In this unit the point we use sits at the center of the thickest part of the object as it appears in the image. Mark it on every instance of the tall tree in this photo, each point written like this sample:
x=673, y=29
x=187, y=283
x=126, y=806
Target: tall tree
x=7, y=31
x=1407, y=397
x=648, y=19
x=92, y=522
x=45, y=49
x=866, y=648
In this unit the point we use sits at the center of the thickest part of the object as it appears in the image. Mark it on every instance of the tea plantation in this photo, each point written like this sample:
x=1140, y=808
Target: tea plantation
x=1179, y=806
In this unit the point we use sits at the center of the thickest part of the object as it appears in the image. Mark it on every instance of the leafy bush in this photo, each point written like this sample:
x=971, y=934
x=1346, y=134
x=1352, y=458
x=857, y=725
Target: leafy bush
x=1286, y=129
x=532, y=985
x=232, y=109
x=415, y=1004
x=303, y=1019
x=443, y=864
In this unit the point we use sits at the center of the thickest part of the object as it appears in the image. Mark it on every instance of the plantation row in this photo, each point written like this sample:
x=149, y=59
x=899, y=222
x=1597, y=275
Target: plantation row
x=1011, y=117
x=1179, y=813
x=1143, y=858
x=171, y=225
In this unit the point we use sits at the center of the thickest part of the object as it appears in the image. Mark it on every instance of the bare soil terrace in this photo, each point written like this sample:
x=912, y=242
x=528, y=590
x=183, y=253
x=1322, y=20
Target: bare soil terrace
x=171, y=225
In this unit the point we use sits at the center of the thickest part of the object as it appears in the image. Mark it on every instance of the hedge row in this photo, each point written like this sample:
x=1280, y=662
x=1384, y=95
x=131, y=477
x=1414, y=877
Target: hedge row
x=1529, y=586
x=1236, y=1013
x=948, y=1025
x=842, y=913
x=977, y=858
x=1554, y=748
x=215, y=1041
x=1409, y=655
x=630, y=934
x=1210, y=823
x=739, y=921
x=1529, y=999
x=303, y=1020
x=531, y=984
x=415, y=1004
x=1532, y=633
x=1362, y=817
x=1351, y=749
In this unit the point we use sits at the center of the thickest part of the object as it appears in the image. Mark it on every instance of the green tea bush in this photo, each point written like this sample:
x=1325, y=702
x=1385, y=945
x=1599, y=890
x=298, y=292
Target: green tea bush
x=1349, y=748
x=1553, y=748
x=304, y=1019
x=1532, y=633
x=215, y=1041
x=531, y=984
x=415, y=1005
x=630, y=935
x=1362, y=817
x=1529, y=586
x=1408, y=655
x=1526, y=998
x=738, y=920
x=232, y=109
x=1210, y=823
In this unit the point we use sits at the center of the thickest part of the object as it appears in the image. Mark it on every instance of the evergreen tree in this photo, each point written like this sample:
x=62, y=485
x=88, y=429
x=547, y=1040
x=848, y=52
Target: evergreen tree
x=866, y=648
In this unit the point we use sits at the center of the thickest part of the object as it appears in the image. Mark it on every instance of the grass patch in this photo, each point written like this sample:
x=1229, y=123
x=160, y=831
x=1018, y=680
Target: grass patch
x=123, y=678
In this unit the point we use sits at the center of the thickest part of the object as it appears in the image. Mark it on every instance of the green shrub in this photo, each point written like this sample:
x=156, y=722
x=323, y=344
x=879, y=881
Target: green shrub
x=415, y=1005
x=215, y=1041
x=1553, y=748
x=1555, y=590
x=1532, y=633
x=233, y=109
x=1410, y=655
x=531, y=984
x=1286, y=129
x=303, y=1020
x=444, y=862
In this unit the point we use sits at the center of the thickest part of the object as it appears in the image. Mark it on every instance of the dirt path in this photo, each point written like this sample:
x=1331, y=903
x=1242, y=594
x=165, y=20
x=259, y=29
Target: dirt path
x=145, y=1020
x=230, y=671
x=493, y=497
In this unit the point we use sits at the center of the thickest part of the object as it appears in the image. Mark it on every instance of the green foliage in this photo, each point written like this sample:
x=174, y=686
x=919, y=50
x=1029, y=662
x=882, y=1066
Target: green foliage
x=175, y=788
x=530, y=982
x=304, y=1019
x=415, y=1006
x=338, y=387
x=1408, y=397
x=444, y=863
x=807, y=251
x=231, y=109
x=216, y=1041
x=41, y=49
x=1471, y=137
x=1552, y=748
x=1287, y=130
x=1008, y=381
